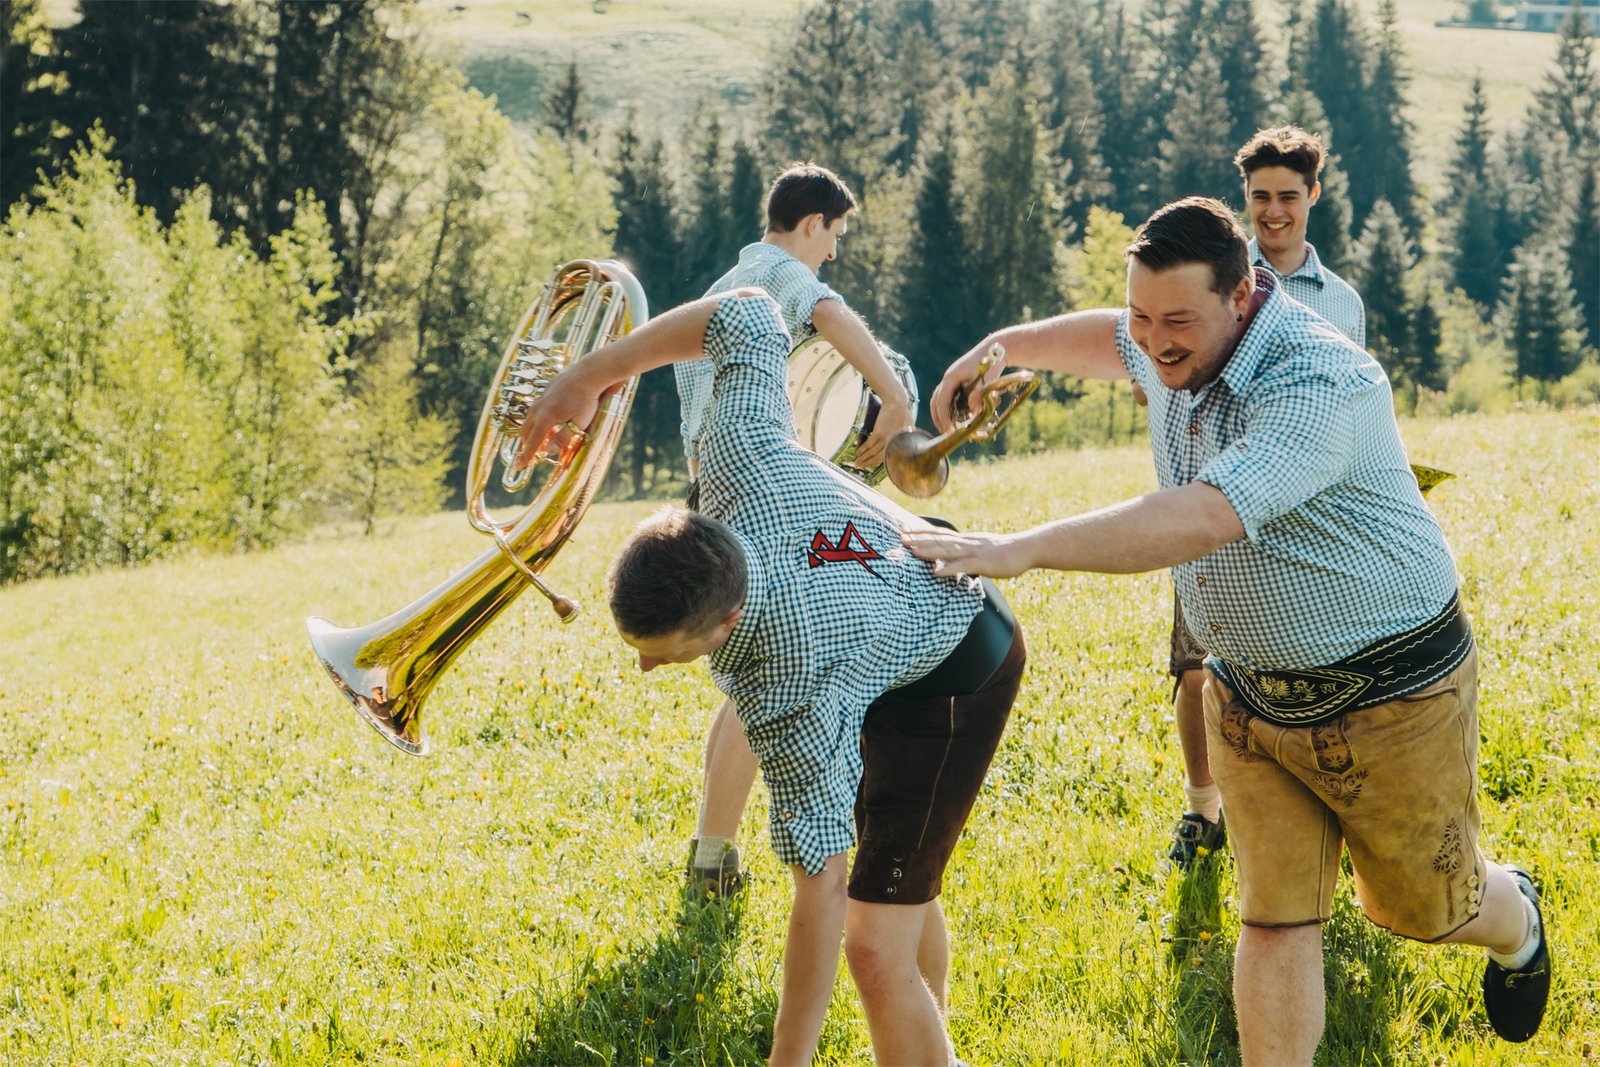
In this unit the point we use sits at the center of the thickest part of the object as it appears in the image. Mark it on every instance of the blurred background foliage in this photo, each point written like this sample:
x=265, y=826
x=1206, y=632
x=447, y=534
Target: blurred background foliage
x=259, y=259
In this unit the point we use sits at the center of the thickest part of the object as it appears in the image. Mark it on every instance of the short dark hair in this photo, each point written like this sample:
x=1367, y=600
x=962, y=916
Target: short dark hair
x=677, y=571
x=805, y=189
x=1196, y=229
x=1282, y=146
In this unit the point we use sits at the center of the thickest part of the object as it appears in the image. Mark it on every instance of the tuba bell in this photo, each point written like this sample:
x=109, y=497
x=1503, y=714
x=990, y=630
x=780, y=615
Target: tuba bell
x=386, y=668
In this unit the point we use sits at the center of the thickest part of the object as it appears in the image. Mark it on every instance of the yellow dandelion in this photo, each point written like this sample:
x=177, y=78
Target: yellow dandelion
x=1202, y=851
x=699, y=998
x=1205, y=935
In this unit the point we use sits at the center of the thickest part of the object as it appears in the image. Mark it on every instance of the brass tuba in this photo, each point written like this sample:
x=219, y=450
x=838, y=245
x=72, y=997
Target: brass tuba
x=386, y=668
x=916, y=462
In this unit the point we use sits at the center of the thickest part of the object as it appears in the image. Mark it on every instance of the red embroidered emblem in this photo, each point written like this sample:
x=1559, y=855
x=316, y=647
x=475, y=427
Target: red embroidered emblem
x=822, y=552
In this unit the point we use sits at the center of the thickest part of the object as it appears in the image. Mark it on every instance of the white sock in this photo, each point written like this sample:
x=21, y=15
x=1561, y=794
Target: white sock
x=1519, y=959
x=1205, y=799
x=708, y=851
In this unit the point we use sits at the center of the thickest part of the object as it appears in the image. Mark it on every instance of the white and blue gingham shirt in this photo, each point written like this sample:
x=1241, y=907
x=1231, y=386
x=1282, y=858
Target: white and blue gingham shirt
x=1299, y=433
x=1323, y=291
x=798, y=291
x=837, y=610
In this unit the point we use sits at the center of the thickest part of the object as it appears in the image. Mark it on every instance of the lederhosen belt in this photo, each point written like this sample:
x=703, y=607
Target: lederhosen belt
x=1383, y=671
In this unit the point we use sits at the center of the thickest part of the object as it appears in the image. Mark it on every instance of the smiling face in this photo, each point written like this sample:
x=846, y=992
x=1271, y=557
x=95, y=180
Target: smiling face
x=1280, y=203
x=1186, y=329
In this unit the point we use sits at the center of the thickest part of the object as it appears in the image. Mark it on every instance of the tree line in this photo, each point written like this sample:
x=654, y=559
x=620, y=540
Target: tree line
x=259, y=258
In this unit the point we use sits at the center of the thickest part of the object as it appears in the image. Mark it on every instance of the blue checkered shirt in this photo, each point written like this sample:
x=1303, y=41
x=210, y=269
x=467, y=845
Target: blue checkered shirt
x=797, y=291
x=1299, y=433
x=1323, y=291
x=837, y=610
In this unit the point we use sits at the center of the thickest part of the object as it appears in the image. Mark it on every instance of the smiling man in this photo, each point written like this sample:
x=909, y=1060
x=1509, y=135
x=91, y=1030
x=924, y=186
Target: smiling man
x=1341, y=676
x=1281, y=168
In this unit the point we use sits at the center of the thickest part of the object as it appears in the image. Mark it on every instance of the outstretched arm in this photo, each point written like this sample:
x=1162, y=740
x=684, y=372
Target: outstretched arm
x=844, y=330
x=1159, y=529
x=574, y=394
x=1083, y=343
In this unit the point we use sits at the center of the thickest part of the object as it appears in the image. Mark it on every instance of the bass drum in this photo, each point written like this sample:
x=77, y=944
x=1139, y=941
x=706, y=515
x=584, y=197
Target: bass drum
x=834, y=411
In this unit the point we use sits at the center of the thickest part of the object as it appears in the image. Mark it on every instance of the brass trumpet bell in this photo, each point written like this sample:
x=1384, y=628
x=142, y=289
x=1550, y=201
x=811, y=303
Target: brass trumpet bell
x=387, y=668
x=918, y=462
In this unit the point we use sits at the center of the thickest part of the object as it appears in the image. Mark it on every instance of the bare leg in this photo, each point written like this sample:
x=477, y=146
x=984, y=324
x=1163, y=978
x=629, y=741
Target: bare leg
x=1190, y=714
x=933, y=957
x=883, y=947
x=1501, y=924
x=730, y=775
x=1277, y=989
x=810, y=962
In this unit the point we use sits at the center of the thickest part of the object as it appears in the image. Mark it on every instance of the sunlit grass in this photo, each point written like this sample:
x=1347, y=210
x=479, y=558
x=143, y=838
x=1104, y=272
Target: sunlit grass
x=206, y=858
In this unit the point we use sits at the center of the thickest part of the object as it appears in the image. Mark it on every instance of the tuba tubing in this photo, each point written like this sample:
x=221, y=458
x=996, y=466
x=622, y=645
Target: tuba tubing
x=387, y=668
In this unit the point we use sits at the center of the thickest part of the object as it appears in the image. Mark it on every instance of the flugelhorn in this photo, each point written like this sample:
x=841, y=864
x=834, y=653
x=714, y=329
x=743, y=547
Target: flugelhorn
x=386, y=668
x=917, y=462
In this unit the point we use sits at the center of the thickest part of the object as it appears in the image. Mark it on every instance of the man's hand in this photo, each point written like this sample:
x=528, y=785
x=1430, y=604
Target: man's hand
x=894, y=416
x=957, y=383
x=992, y=555
x=568, y=401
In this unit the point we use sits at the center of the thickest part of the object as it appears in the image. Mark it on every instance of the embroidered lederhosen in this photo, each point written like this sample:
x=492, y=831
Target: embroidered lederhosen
x=1383, y=671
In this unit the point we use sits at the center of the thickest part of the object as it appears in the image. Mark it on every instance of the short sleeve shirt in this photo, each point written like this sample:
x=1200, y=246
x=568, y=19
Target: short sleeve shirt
x=1323, y=291
x=797, y=291
x=1298, y=432
x=837, y=610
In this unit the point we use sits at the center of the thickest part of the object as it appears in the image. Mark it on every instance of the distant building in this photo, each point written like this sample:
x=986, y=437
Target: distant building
x=1546, y=16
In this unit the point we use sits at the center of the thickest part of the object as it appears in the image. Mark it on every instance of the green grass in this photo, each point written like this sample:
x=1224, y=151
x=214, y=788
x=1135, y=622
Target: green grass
x=205, y=858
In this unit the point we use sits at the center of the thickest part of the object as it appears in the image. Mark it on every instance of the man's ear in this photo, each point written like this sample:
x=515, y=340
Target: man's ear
x=812, y=224
x=1316, y=192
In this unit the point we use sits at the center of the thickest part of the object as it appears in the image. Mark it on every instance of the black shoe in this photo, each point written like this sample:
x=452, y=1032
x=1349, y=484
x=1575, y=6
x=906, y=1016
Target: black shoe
x=1515, y=1000
x=1196, y=837
x=707, y=883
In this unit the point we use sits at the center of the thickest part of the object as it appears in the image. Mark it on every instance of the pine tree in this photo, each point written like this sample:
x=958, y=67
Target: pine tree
x=1241, y=57
x=1327, y=61
x=1569, y=99
x=173, y=85
x=936, y=317
x=1539, y=316
x=1583, y=244
x=1384, y=141
x=919, y=85
x=747, y=191
x=1382, y=259
x=647, y=240
x=825, y=99
x=1074, y=116
x=1196, y=156
x=981, y=36
x=705, y=240
x=1115, y=65
x=31, y=88
x=566, y=109
x=1473, y=201
x=1012, y=220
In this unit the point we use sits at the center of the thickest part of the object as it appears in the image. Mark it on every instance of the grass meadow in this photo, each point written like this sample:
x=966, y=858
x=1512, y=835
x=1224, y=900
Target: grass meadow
x=206, y=858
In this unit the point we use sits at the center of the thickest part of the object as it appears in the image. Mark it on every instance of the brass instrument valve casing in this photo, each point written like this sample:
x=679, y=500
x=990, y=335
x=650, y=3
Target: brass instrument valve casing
x=526, y=378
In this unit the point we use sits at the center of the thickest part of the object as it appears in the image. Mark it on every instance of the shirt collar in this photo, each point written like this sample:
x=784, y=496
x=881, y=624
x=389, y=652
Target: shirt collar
x=1246, y=358
x=742, y=641
x=1310, y=270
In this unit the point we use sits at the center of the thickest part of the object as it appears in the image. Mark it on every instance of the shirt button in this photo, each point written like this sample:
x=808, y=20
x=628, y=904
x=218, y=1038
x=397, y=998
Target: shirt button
x=1194, y=429
x=788, y=816
x=1216, y=627
x=1200, y=579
